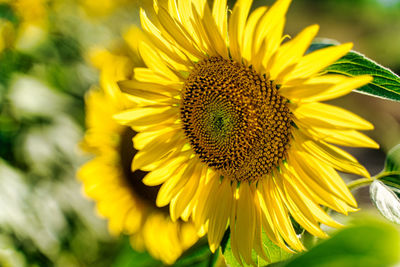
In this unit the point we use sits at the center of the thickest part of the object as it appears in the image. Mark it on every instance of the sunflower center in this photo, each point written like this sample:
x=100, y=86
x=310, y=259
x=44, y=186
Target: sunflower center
x=147, y=194
x=234, y=119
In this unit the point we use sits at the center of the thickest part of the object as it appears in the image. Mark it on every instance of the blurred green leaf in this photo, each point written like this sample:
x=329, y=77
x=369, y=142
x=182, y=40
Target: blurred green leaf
x=7, y=13
x=13, y=61
x=68, y=48
x=273, y=252
x=386, y=84
x=9, y=129
x=197, y=256
x=58, y=48
x=372, y=244
x=128, y=257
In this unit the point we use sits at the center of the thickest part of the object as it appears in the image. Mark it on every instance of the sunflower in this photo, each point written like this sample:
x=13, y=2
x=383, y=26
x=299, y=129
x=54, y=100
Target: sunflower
x=31, y=11
x=231, y=125
x=121, y=197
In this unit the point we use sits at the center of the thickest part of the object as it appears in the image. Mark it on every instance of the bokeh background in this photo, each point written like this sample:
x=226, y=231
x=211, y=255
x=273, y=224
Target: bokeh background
x=45, y=70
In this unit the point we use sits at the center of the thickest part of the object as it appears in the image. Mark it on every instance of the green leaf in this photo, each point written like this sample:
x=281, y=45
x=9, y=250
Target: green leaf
x=68, y=48
x=385, y=192
x=392, y=162
x=319, y=45
x=128, y=257
x=371, y=244
x=386, y=84
x=12, y=61
x=385, y=200
x=273, y=252
x=392, y=182
x=7, y=13
x=390, y=175
x=197, y=256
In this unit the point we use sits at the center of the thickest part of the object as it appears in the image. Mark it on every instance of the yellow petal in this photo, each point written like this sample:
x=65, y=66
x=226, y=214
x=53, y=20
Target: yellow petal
x=152, y=96
x=203, y=209
x=222, y=205
x=290, y=52
x=310, y=209
x=273, y=42
x=234, y=239
x=279, y=215
x=140, y=140
x=175, y=183
x=181, y=201
x=322, y=191
x=270, y=28
x=173, y=9
x=133, y=220
x=153, y=60
x=156, y=150
x=159, y=41
x=312, y=92
x=175, y=29
x=159, y=91
x=305, y=203
x=326, y=176
x=298, y=209
x=200, y=30
x=236, y=27
x=350, y=138
x=258, y=243
x=328, y=116
x=245, y=221
x=220, y=15
x=248, y=35
x=148, y=76
x=334, y=157
x=146, y=116
x=316, y=61
x=342, y=88
x=267, y=223
x=310, y=87
x=161, y=174
x=186, y=18
x=213, y=33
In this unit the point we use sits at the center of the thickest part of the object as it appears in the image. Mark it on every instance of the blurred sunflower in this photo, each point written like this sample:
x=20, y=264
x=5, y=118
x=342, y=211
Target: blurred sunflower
x=121, y=197
x=98, y=8
x=32, y=23
x=230, y=123
x=31, y=11
x=7, y=34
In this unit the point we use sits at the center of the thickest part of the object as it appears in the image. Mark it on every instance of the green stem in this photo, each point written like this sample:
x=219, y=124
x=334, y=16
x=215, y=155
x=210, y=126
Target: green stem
x=308, y=240
x=367, y=181
x=384, y=174
x=360, y=182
